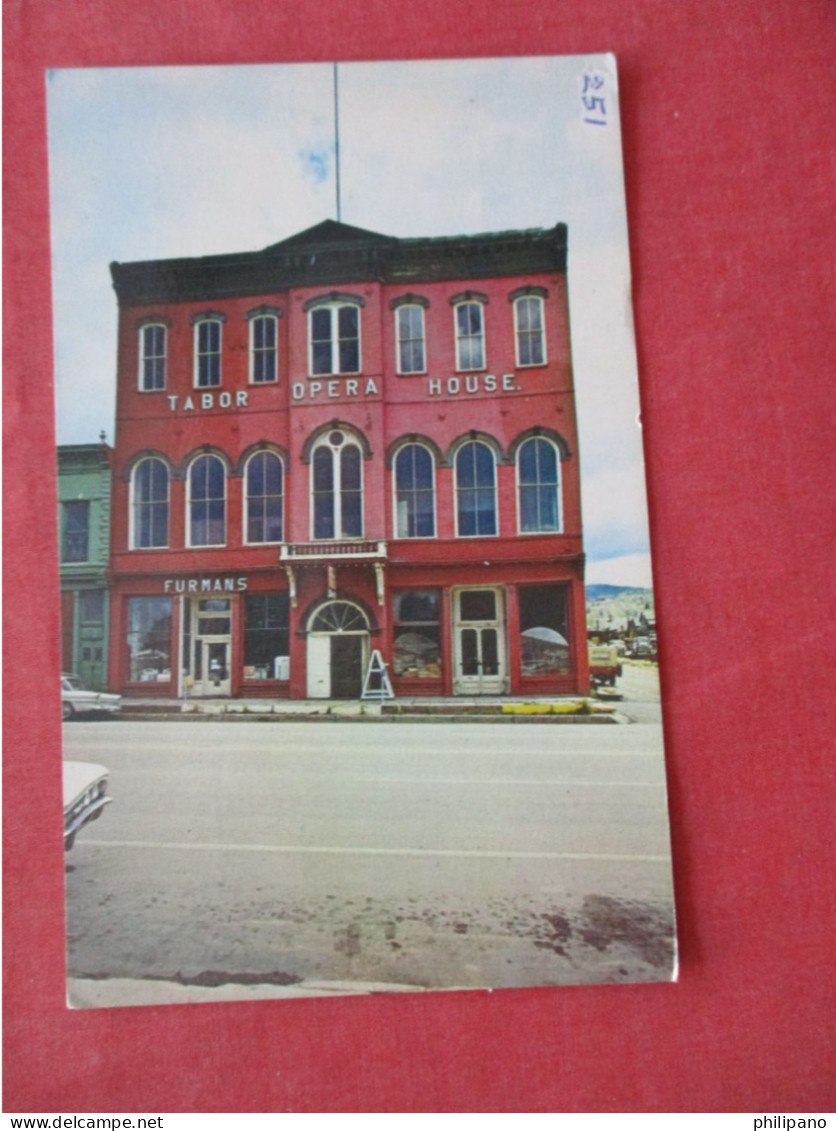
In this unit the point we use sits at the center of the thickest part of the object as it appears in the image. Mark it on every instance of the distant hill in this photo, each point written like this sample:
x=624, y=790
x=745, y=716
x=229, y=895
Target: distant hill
x=612, y=607
x=596, y=592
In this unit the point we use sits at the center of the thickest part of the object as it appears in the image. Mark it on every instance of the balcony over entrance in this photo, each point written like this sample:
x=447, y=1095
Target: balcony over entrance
x=352, y=549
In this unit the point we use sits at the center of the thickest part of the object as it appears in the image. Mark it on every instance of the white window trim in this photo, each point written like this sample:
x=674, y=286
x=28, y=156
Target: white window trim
x=132, y=507
x=539, y=533
x=471, y=368
x=196, y=364
x=246, y=541
x=397, y=312
x=142, y=356
x=413, y=537
x=205, y=545
x=495, y=495
x=323, y=442
x=253, y=319
x=530, y=364
x=333, y=307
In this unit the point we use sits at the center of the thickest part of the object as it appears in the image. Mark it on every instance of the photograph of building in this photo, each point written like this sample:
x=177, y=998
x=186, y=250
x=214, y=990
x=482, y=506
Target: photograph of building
x=345, y=444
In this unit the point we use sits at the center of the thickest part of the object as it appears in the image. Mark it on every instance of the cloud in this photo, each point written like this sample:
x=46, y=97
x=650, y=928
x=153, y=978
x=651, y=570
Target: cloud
x=316, y=163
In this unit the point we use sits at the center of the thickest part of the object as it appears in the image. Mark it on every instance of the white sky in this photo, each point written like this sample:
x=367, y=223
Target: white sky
x=153, y=163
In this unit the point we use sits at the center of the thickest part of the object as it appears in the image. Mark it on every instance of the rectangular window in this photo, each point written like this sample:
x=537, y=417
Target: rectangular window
x=335, y=339
x=152, y=358
x=417, y=648
x=263, y=349
x=75, y=532
x=544, y=630
x=149, y=639
x=531, y=346
x=267, y=636
x=410, y=335
x=208, y=353
x=470, y=336
x=92, y=606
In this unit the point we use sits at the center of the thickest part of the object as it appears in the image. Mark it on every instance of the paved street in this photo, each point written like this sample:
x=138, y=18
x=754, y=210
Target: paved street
x=410, y=854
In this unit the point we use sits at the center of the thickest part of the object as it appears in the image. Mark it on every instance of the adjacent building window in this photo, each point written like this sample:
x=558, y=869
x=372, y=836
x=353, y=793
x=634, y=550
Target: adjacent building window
x=414, y=492
x=334, y=338
x=75, y=531
x=410, y=335
x=470, y=335
x=417, y=639
x=207, y=353
x=91, y=606
x=263, y=349
x=529, y=325
x=475, y=490
x=265, y=489
x=538, y=485
x=149, y=505
x=207, y=502
x=544, y=630
x=267, y=636
x=337, y=487
x=149, y=639
x=152, y=357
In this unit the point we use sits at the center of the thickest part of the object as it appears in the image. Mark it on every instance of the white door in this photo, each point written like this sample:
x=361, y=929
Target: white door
x=319, y=667
x=214, y=667
x=479, y=639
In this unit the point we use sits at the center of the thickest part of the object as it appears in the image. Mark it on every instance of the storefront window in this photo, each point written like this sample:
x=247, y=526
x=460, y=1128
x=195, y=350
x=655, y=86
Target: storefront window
x=149, y=639
x=266, y=636
x=544, y=630
x=417, y=650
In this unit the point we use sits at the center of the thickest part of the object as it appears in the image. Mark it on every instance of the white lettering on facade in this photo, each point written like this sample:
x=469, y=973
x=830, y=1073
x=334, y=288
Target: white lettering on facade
x=453, y=385
x=490, y=383
x=471, y=383
x=508, y=385
x=297, y=391
x=225, y=400
x=333, y=388
x=351, y=388
x=207, y=400
x=188, y=404
x=241, y=398
x=371, y=387
x=204, y=585
x=435, y=387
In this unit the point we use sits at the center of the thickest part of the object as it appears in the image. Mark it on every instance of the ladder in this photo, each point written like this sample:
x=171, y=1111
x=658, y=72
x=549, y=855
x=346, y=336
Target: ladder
x=377, y=685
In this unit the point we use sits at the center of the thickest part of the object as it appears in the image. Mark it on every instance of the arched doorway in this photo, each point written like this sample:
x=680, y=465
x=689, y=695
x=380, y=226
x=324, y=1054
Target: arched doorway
x=338, y=648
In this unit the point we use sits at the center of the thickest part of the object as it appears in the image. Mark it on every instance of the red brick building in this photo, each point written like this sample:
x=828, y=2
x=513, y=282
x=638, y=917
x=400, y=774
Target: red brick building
x=345, y=443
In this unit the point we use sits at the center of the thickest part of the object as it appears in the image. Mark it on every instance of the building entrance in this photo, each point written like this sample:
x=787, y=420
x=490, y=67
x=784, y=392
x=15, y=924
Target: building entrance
x=479, y=637
x=207, y=640
x=338, y=648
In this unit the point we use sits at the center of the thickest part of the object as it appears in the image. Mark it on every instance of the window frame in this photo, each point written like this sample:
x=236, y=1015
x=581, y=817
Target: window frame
x=145, y=357
x=336, y=490
x=406, y=445
x=333, y=306
x=456, y=489
x=281, y=497
x=538, y=485
x=150, y=503
x=400, y=368
x=538, y=299
x=479, y=304
x=254, y=350
x=80, y=507
x=206, y=320
x=190, y=543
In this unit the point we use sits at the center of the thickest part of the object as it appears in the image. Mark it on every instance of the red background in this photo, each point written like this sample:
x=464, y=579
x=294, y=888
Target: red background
x=727, y=118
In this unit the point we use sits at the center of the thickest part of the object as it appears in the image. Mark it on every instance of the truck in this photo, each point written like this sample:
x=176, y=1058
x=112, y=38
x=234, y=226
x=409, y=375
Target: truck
x=604, y=664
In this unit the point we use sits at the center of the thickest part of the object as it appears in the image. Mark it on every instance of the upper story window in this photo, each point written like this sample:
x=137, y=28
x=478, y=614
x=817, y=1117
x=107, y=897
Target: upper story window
x=337, y=486
x=152, y=357
x=207, y=502
x=538, y=486
x=475, y=490
x=530, y=327
x=414, y=492
x=469, y=314
x=149, y=505
x=334, y=335
x=264, y=352
x=265, y=491
x=207, y=351
x=75, y=531
x=410, y=336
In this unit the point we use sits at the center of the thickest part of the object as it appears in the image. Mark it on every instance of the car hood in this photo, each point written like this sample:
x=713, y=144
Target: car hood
x=80, y=776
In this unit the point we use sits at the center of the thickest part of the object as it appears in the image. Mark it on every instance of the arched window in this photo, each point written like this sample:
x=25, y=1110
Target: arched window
x=470, y=335
x=207, y=502
x=538, y=486
x=475, y=489
x=337, y=486
x=149, y=504
x=152, y=357
x=265, y=491
x=414, y=492
x=337, y=617
x=529, y=325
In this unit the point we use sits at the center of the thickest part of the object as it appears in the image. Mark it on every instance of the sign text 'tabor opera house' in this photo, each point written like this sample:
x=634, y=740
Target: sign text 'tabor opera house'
x=343, y=443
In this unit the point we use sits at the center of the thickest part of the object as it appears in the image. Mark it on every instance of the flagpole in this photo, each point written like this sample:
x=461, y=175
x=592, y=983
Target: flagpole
x=337, y=139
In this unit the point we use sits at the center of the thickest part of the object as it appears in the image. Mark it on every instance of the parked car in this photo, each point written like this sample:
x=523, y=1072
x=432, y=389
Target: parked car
x=85, y=796
x=76, y=699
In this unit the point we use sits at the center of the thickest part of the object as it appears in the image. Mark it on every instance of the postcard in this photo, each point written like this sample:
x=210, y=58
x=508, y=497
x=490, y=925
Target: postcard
x=360, y=683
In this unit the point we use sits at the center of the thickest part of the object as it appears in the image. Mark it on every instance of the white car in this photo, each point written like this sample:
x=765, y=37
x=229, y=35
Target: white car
x=76, y=699
x=85, y=795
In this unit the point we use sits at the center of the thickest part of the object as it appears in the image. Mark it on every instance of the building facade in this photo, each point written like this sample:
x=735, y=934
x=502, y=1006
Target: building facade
x=84, y=537
x=347, y=444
